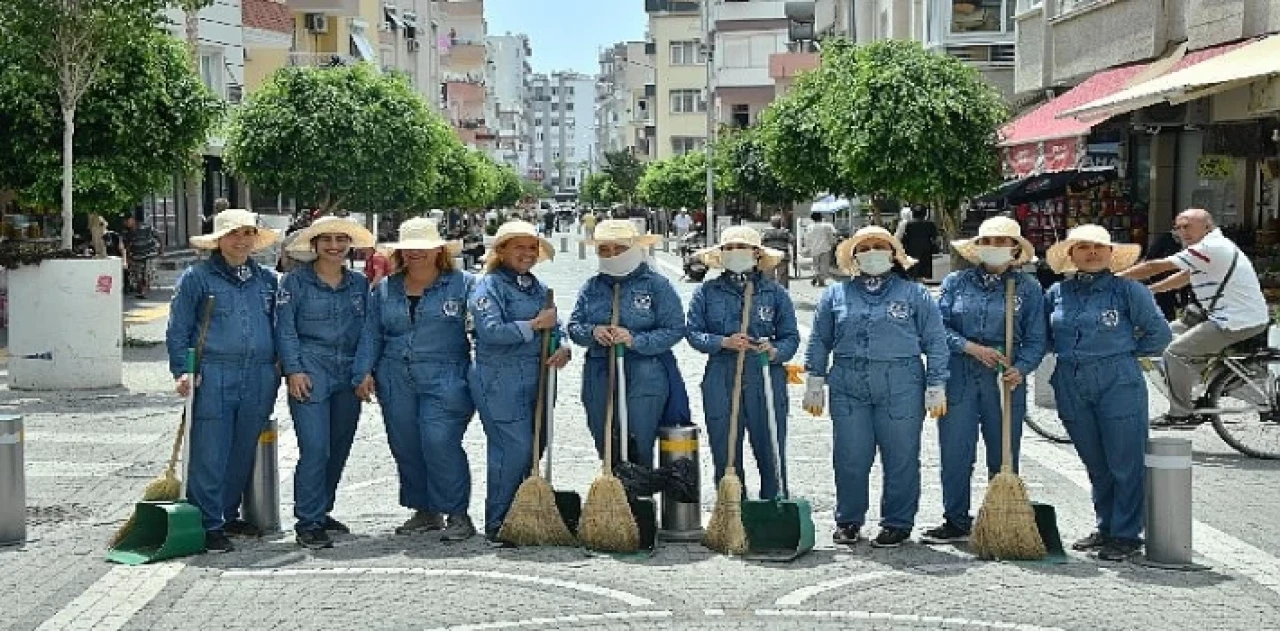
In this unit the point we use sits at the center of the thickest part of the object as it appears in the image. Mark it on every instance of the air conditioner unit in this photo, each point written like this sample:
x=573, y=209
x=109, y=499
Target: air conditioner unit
x=1167, y=115
x=317, y=22
x=413, y=45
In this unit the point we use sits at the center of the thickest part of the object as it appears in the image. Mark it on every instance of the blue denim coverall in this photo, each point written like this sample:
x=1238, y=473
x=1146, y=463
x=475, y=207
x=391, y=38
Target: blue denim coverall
x=1100, y=325
x=238, y=377
x=650, y=309
x=972, y=306
x=877, y=328
x=504, y=380
x=317, y=330
x=716, y=313
x=420, y=367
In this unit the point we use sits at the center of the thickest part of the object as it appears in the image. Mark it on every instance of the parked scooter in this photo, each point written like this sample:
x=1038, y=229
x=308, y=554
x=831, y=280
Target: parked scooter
x=694, y=269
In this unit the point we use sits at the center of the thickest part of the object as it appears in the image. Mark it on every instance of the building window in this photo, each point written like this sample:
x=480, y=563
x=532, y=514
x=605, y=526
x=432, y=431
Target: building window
x=568, y=107
x=989, y=16
x=687, y=102
x=684, y=144
x=211, y=73
x=741, y=115
x=687, y=53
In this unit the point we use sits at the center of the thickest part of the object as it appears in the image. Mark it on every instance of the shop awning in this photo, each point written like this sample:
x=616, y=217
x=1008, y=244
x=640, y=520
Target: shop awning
x=364, y=48
x=1044, y=186
x=1201, y=74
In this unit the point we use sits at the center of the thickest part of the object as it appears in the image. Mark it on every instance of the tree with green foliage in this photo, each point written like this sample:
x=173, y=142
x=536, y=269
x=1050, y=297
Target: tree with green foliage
x=742, y=168
x=139, y=121
x=509, y=188
x=599, y=189
x=531, y=191
x=625, y=170
x=345, y=137
x=65, y=45
x=679, y=182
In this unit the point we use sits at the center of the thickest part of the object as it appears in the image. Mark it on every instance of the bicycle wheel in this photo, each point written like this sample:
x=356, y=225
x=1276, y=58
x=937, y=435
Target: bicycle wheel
x=1247, y=417
x=1049, y=426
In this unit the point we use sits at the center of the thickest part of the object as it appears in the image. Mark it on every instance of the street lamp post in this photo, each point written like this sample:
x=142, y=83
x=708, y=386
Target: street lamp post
x=709, y=48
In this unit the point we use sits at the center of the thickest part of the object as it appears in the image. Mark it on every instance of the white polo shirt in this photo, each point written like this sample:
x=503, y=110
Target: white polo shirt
x=1242, y=304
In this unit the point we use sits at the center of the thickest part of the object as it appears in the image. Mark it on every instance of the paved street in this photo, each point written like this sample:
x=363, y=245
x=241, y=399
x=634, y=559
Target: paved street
x=89, y=454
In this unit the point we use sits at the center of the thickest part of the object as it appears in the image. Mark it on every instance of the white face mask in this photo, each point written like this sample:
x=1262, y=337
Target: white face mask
x=995, y=255
x=738, y=261
x=622, y=264
x=875, y=262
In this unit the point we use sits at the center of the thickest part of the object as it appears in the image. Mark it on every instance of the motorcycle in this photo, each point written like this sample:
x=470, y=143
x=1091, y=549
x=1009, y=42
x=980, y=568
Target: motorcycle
x=694, y=269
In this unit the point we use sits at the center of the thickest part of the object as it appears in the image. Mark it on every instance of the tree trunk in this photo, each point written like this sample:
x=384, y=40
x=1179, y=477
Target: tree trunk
x=68, y=161
x=193, y=182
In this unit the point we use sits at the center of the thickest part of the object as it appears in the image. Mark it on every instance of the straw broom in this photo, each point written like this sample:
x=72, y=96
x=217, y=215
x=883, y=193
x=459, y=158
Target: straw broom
x=533, y=519
x=1006, y=524
x=167, y=487
x=607, y=524
x=725, y=533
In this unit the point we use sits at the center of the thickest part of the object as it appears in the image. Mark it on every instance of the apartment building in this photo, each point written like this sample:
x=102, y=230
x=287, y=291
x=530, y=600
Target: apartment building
x=564, y=130
x=511, y=70
x=680, y=87
x=624, y=107
x=466, y=73
x=407, y=36
x=746, y=34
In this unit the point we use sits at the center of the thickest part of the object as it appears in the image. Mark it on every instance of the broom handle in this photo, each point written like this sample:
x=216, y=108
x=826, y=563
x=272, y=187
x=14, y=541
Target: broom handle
x=1006, y=422
x=735, y=404
x=551, y=412
x=608, y=402
x=543, y=350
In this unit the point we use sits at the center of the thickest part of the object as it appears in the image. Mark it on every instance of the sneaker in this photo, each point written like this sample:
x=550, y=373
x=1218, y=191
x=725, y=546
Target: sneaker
x=241, y=528
x=847, y=534
x=1118, y=550
x=333, y=525
x=944, y=534
x=1094, y=541
x=314, y=539
x=422, y=521
x=217, y=541
x=1170, y=421
x=890, y=538
x=460, y=528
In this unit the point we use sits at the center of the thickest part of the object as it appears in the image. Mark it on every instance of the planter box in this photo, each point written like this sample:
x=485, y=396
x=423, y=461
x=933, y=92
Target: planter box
x=66, y=325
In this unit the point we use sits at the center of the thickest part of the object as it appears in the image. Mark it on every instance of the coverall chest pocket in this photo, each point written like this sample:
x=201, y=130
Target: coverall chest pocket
x=724, y=317
x=638, y=310
x=762, y=319
x=896, y=319
x=315, y=306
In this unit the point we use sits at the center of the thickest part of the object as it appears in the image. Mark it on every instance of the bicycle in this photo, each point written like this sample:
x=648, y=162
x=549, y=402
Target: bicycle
x=1239, y=393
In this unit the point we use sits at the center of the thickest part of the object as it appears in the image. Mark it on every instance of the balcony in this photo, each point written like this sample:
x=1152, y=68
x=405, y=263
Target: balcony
x=346, y=8
x=752, y=10
x=743, y=78
x=321, y=60
x=787, y=65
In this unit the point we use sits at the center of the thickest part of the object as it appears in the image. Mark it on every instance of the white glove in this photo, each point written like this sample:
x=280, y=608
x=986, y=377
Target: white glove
x=935, y=400
x=815, y=395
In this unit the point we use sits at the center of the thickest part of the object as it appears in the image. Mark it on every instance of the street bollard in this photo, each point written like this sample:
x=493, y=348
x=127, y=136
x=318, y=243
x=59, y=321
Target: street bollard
x=681, y=521
x=1168, y=490
x=262, y=497
x=666, y=244
x=13, y=483
x=582, y=250
x=1044, y=389
x=564, y=244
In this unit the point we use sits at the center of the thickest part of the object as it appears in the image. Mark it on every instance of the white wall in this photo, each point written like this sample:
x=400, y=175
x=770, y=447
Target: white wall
x=221, y=34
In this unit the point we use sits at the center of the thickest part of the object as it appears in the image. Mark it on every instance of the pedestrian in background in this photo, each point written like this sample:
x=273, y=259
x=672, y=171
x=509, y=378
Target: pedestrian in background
x=142, y=246
x=509, y=307
x=973, y=311
x=237, y=376
x=415, y=353
x=779, y=238
x=321, y=307
x=820, y=242
x=1100, y=324
x=650, y=323
x=876, y=325
x=714, y=327
x=920, y=242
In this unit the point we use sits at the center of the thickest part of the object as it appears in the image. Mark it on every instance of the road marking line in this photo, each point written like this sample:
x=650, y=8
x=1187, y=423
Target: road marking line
x=144, y=315
x=630, y=599
x=360, y=486
x=96, y=438
x=897, y=617
x=560, y=620
x=797, y=597
x=112, y=600
x=1226, y=550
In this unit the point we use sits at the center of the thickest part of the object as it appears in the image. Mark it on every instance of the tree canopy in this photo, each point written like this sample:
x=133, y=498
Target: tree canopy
x=625, y=170
x=599, y=189
x=741, y=167
x=679, y=182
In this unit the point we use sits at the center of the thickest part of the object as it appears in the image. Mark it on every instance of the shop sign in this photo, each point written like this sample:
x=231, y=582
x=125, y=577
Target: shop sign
x=1060, y=155
x=1103, y=155
x=1020, y=161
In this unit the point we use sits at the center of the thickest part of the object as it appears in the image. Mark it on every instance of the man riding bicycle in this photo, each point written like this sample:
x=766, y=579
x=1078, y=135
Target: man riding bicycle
x=1229, y=305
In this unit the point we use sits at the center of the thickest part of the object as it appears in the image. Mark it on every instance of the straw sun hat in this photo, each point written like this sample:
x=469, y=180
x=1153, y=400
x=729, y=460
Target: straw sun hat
x=745, y=235
x=849, y=263
x=301, y=244
x=1123, y=255
x=230, y=220
x=422, y=233
x=513, y=229
x=996, y=227
x=621, y=231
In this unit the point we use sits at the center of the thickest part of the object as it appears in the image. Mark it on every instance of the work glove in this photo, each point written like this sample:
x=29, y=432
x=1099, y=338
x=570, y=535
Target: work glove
x=815, y=396
x=935, y=400
x=793, y=373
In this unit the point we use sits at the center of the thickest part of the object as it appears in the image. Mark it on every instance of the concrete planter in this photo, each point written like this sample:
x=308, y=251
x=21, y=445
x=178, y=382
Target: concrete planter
x=65, y=325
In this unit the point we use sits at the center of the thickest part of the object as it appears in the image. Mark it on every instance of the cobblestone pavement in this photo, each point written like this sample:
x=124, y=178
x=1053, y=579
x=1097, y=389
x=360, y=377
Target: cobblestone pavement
x=89, y=454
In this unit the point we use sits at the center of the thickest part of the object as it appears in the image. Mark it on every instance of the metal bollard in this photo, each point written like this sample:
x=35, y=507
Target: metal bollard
x=1168, y=491
x=262, y=497
x=1040, y=381
x=13, y=482
x=666, y=244
x=564, y=244
x=681, y=521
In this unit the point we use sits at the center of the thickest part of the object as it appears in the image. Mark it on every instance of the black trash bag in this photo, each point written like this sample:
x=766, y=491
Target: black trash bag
x=681, y=481
x=639, y=480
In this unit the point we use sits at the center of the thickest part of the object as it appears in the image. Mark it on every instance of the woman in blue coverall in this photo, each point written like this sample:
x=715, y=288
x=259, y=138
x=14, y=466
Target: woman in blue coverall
x=714, y=328
x=650, y=323
x=510, y=312
x=237, y=374
x=320, y=314
x=973, y=310
x=1099, y=325
x=414, y=352
x=876, y=325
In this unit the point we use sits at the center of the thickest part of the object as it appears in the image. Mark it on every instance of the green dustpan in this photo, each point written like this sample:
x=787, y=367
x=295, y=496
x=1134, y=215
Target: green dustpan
x=780, y=529
x=161, y=530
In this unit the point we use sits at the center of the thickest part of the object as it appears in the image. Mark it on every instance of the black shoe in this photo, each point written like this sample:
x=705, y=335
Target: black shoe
x=890, y=538
x=1094, y=541
x=944, y=534
x=314, y=539
x=421, y=521
x=1118, y=550
x=333, y=525
x=217, y=541
x=1169, y=421
x=847, y=534
x=241, y=528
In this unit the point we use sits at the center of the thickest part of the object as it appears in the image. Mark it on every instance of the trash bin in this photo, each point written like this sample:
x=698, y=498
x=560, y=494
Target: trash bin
x=262, y=497
x=681, y=521
x=13, y=482
x=1168, y=510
